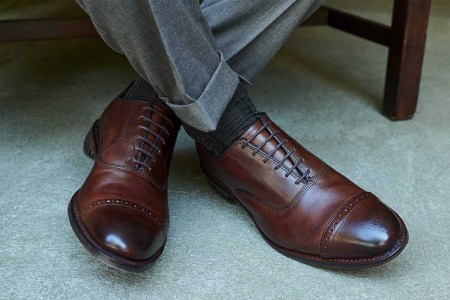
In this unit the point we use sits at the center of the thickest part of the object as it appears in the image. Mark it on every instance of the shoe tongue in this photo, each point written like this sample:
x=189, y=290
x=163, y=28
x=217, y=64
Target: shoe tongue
x=270, y=145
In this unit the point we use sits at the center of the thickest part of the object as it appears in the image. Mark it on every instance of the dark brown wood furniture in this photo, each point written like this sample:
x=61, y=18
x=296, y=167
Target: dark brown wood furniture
x=405, y=39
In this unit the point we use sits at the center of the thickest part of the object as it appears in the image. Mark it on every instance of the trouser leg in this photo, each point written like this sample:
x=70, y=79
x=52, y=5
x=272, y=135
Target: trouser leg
x=249, y=33
x=171, y=45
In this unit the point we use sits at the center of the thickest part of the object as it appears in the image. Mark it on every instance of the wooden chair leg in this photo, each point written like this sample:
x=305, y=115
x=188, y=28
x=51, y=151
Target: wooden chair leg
x=408, y=34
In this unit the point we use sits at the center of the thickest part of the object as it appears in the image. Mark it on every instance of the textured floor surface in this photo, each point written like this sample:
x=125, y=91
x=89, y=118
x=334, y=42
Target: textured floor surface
x=324, y=87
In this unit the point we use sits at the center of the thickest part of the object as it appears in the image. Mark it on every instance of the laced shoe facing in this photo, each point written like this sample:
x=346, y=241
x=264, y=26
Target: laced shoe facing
x=280, y=145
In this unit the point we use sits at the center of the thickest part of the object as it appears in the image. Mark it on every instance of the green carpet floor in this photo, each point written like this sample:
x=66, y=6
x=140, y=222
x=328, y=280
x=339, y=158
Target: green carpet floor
x=324, y=88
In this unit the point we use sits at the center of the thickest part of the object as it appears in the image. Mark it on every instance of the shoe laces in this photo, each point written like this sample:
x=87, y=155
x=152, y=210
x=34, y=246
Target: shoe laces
x=146, y=147
x=304, y=173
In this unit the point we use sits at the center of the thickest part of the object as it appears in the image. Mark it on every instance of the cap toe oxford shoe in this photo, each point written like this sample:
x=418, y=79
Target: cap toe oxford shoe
x=302, y=207
x=120, y=214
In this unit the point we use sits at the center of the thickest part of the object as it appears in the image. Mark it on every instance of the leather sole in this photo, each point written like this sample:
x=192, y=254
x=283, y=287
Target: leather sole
x=90, y=147
x=315, y=260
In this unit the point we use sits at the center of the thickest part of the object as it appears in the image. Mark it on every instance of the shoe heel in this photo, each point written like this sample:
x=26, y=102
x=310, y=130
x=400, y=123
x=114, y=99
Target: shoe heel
x=90, y=145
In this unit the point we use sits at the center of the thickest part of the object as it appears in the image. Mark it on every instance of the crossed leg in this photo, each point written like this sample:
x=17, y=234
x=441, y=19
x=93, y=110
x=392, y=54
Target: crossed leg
x=194, y=55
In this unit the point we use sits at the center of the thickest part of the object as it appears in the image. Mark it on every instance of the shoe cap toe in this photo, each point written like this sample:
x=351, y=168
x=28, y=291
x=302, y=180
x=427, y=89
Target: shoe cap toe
x=124, y=232
x=368, y=230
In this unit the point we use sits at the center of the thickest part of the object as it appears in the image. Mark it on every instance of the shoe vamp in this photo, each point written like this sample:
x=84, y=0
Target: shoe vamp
x=249, y=175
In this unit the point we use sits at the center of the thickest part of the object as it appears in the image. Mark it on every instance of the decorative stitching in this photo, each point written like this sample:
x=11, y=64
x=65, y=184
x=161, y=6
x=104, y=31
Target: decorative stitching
x=123, y=131
x=284, y=210
x=312, y=181
x=263, y=154
x=121, y=202
x=124, y=127
x=344, y=211
x=253, y=130
x=357, y=260
x=259, y=176
x=126, y=168
x=87, y=234
x=275, y=210
x=336, y=230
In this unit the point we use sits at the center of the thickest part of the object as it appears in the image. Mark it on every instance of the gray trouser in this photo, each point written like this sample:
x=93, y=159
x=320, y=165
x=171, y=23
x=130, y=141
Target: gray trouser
x=194, y=55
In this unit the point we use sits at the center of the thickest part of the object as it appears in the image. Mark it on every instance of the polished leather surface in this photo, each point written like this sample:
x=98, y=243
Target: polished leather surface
x=121, y=210
x=323, y=218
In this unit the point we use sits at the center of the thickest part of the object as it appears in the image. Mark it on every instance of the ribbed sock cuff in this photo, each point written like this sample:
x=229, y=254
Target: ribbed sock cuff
x=141, y=90
x=238, y=116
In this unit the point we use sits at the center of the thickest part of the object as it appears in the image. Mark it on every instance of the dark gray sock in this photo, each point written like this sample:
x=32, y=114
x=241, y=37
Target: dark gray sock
x=140, y=90
x=239, y=115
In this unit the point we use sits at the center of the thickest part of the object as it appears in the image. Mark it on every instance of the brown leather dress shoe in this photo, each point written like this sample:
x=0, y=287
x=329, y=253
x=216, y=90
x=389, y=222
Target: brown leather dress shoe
x=302, y=207
x=120, y=214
